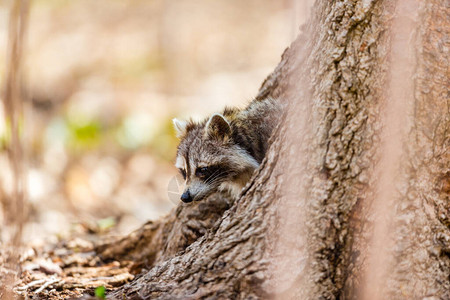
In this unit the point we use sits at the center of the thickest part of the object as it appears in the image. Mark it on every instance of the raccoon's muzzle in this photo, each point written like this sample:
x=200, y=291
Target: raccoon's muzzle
x=186, y=197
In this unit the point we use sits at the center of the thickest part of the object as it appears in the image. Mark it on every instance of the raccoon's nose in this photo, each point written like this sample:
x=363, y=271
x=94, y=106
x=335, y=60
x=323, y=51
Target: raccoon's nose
x=186, y=197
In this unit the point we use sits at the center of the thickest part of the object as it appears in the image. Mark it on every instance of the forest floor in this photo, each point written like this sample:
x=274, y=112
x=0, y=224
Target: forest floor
x=65, y=270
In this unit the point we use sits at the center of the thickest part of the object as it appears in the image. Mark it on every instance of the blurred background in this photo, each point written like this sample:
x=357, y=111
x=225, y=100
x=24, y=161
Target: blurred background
x=104, y=78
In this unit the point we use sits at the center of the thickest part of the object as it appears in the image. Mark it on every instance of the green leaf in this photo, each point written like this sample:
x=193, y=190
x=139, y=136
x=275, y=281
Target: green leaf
x=100, y=292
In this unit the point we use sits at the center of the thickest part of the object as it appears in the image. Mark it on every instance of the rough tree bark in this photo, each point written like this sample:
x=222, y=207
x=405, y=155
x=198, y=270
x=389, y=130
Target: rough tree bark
x=302, y=229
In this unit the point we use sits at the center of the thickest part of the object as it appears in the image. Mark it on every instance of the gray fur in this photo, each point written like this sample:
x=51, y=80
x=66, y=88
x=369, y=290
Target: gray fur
x=232, y=144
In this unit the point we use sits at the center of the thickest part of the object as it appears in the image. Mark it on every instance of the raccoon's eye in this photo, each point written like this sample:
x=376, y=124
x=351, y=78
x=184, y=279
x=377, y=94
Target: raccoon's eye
x=202, y=172
x=183, y=173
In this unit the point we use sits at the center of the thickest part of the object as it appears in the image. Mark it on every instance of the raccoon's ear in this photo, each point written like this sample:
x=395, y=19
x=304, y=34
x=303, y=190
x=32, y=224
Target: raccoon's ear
x=180, y=127
x=218, y=127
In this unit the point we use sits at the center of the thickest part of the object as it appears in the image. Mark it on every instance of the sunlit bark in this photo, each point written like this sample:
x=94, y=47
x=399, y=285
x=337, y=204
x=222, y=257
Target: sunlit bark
x=303, y=227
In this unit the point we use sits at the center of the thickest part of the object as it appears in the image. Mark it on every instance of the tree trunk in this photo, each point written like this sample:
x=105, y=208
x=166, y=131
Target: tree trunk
x=310, y=224
x=352, y=199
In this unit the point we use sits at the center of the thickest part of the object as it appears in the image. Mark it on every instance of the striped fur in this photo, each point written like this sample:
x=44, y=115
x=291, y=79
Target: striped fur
x=221, y=152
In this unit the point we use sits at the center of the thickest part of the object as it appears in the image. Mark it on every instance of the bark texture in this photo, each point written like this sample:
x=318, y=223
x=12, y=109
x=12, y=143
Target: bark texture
x=327, y=146
x=157, y=241
x=422, y=235
x=319, y=170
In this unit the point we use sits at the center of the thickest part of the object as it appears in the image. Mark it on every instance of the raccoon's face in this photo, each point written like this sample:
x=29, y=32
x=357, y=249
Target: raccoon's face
x=209, y=160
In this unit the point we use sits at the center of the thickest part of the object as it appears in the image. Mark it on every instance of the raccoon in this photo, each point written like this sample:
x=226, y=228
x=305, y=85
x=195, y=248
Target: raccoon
x=220, y=153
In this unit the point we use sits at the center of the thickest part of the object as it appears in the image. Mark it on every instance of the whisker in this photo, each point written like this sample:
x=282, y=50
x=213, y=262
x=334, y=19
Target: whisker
x=213, y=175
x=217, y=177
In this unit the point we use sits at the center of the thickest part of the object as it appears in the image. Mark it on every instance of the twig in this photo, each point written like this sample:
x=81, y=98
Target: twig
x=46, y=285
x=31, y=284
